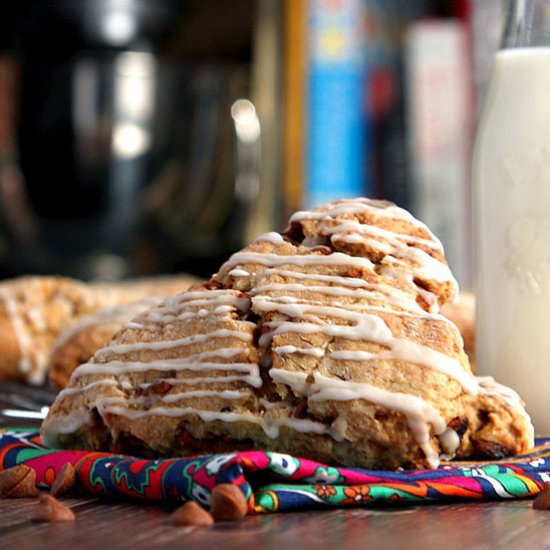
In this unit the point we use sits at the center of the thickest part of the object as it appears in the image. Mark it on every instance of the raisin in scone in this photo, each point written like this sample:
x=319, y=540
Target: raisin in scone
x=323, y=342
x=35, y=310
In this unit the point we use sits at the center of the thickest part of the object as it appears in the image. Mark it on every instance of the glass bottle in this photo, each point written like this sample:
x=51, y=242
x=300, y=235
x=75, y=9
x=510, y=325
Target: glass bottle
x=511, y=175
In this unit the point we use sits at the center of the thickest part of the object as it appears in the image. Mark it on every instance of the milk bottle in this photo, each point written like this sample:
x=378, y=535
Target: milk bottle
x=512, y=212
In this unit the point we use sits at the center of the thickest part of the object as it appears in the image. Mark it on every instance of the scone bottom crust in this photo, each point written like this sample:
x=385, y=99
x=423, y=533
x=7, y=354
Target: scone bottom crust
x=325, y=342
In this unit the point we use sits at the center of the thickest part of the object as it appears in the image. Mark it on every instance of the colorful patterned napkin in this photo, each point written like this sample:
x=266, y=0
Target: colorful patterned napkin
x=276, y=482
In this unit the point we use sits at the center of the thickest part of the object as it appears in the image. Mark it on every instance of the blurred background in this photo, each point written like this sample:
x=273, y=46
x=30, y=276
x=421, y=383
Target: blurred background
x=158, y=136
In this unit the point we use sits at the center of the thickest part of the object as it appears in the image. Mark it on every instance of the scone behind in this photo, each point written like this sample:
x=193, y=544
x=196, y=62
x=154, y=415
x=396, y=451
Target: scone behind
x=35, y=310
x=462, y=313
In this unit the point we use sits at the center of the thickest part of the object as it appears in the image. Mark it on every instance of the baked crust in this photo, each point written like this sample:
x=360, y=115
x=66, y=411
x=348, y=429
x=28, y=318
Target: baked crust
x=323, y=342
x=462, y=313
x=35, y=310
x=77, y=344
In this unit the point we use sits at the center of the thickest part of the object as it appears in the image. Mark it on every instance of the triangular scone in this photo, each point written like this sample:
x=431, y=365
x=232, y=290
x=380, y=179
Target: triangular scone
x=323, y=342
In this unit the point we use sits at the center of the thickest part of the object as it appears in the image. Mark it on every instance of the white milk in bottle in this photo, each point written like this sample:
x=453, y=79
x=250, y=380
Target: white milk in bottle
x=512, y=228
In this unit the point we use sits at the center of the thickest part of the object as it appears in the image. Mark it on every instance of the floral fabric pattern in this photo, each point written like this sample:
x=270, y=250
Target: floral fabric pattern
x=275, y=482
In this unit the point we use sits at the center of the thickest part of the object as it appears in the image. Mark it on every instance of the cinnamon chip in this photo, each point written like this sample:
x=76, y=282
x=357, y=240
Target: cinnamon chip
x=26, y=488
x=64, y=482
x=11, y=477
x=542, y=502
x=191, y=515
x=18, y=482
x=228, y=503
x=50, y=509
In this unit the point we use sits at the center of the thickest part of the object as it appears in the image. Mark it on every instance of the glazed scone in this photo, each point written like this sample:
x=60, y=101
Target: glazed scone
x=78, y=343
x=323, y=342
x=462, y=313
x=35, y=310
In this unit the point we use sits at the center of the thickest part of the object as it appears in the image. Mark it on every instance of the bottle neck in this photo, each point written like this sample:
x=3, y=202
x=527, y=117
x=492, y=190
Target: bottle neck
x=527, y=24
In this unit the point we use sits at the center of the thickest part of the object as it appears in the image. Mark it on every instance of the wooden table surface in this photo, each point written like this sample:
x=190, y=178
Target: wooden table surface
x=473, y=526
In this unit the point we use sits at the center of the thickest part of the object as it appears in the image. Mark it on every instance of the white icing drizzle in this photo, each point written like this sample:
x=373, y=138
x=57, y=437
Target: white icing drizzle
x=288, y=350
x=407, y=303
x=238, y=273
x=74, y=390
x=271, y=237
x=362, y=306
x=271, y=426
x=38, y=367
x=126, y=384
x=427, y=267
x=189, y=362
x=415, y=353
x=175, y=397
x=352, y=282
x=177, y=307
x=490, y=387
x=121, y=349
x=360, y=205
x=157, y=322
x=392, y=296
x=360, y=229
x=450, y=441
x=36, y=317
x=430, y=298
x=213, y=296
x=366, y=327
x=272, y=260
x=11, y=305
x=419, y=413
x=115, y=368
x=394, y=244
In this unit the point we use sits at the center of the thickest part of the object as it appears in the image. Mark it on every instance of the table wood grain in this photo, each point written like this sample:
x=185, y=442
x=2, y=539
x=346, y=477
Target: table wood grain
x=472, y=526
